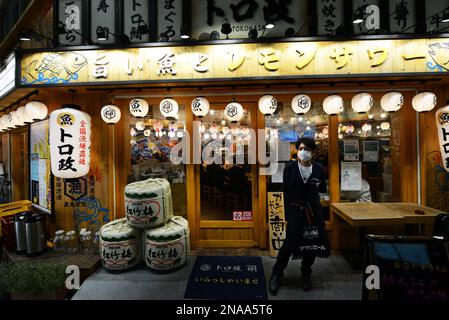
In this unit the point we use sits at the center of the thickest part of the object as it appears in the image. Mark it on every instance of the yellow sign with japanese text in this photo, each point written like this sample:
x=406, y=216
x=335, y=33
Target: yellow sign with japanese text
x=236, y=61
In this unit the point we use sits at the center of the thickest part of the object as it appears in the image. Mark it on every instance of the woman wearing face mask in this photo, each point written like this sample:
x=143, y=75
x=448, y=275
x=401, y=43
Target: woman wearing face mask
x=306, y=236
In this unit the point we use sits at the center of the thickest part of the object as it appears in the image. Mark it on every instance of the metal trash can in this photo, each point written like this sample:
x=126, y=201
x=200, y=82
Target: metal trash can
x=36, y=241
x=19, y=228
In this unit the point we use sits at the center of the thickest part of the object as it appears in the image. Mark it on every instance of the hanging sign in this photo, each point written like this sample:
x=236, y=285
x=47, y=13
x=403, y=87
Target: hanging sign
x=102, y=27
x=170, y=18
x=442, y=117
x=136, y=20
x=330, y=16
x=402, y=16
x=70, y=143
x=70, y=17
x=276, y=221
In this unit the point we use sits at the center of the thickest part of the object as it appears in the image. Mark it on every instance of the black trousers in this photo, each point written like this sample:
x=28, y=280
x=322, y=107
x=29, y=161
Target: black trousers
x=291, y=243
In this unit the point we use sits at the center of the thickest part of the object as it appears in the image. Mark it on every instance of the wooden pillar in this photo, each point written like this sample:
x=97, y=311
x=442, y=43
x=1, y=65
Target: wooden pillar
x=334, y=180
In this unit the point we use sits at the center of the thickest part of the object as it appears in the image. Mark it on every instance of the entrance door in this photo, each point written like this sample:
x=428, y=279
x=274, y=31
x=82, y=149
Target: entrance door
x=19, y=165
x=226, y=181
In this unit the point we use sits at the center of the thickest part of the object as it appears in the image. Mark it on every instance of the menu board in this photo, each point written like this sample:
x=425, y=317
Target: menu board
x=40, y=171
x=411, y=268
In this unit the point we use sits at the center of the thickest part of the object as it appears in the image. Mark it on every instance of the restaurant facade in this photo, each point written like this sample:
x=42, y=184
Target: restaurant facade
x=357, y=96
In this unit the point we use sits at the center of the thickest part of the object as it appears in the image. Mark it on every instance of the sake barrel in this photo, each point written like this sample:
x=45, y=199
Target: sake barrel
x=148, y=203
x=120, y=246
x=167, y=248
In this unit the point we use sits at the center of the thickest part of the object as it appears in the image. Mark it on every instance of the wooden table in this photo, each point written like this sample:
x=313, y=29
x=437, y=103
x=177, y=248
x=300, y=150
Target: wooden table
x=369, y=214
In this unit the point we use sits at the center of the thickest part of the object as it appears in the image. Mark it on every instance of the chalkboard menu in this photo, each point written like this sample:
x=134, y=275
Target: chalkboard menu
x=411, y=268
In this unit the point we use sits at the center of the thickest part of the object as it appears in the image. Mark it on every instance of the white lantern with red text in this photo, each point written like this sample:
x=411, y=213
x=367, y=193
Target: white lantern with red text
x=111, y=114
x=301, y=104
x=424, y=101
x=234, y=112
x=200, y=107
x=268, y=104
x=362, y=102
x=36, y=110
x=70, y=131
x=333, y=104
x=169, y=108
x=392, y=101
x=442, y=118
x=138, y=107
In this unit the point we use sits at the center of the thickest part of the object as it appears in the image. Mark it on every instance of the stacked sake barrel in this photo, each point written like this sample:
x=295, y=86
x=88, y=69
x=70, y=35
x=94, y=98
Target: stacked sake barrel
x=163, y=239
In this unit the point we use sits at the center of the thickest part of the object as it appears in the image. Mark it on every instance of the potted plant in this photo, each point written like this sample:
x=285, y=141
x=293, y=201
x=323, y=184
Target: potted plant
x=33, y=281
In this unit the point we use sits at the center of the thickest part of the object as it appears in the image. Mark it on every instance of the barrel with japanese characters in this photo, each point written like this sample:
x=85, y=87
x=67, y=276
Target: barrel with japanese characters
x=167, y=248
x=148, y=203
x=120, y=246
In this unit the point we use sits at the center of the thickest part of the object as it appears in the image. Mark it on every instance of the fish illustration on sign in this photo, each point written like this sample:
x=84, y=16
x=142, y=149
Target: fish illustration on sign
x=440, y=55
x=56, y=67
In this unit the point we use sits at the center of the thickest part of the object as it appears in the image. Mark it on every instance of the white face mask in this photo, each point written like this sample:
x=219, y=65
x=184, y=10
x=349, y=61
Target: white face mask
x=304, y=155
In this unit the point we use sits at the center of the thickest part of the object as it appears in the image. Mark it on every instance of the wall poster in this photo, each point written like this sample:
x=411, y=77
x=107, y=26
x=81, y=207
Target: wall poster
x=351, y=176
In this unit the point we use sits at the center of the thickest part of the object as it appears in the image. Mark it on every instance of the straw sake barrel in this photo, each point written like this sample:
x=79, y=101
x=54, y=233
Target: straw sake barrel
x=167, y=248
x=120, y=246
x=148, y=203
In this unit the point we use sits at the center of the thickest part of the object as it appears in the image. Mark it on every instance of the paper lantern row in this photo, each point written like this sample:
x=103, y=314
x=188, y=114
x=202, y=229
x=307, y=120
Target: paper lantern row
x=32, y=111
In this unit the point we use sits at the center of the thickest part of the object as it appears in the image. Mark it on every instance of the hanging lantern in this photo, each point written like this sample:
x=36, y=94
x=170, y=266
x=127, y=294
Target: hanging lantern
x=147, y=133
x=111, y=114
x=24, y=115
x=169, y=108
x=15, y=119
x=385, y=126
x=392, y=101
x=7, y=121
x=333, y=104
x=200, y=107
x=442, y=118
x=268, y=104
x=301, y=104
x=424, y=101
x=138, y=107
x=350, y=129
x=234, y=112
x=36, y=110
x=362, y=102
x=70, y=143
x=366, y=127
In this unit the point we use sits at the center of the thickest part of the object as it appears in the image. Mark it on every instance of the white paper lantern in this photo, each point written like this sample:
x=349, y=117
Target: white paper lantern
x=333, y=104
x=392, y=101
x=366, y=127
x=268, y=104
x=147, y=133
x=442, y=118
x=138, y=107
x=24, y=115
x=169, y=108
x=200, y=106
x=234, y=112
x=6, y=121
x=350, y=129
x=424, y=101
x=70, y=131
x=140, y=125
x=111, y=114
x=301, y=104
x=385, y=126
x=15, y=119
x=36, y=110
x=362, y=102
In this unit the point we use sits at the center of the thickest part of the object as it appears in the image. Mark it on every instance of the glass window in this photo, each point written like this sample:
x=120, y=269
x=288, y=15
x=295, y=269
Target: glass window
x=152, y=139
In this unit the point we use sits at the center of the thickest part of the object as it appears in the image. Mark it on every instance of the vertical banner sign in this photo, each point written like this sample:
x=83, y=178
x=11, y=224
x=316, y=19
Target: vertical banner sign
x=330, y=16
x=442, y=116
x=169, y=14
x=369, y=11
x=402, y=16
x=290, y=17
x=276, y=221
x=136, y=19
x=70, y=16
x=69, y=143
x=102, y=13
x=435, y=10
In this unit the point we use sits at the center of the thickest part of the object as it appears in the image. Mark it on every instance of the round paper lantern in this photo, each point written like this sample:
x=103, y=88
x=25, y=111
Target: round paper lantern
x=385, y=126
x=36, y=110
x=366, y=127
x=234, y=112
x=6, y=121
x=147, y=133
x=200, y=106
x=111, y=114
x=70, y=131
x=16, y=122
x=140, y=125
x=333, y=104
x=169, y=108
x=268, y=104
x=424, y=101
x=392, y=101
x=24, y=115
x=350, y=129
x=362, y=102
x=301, y=104
x=138, y=107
